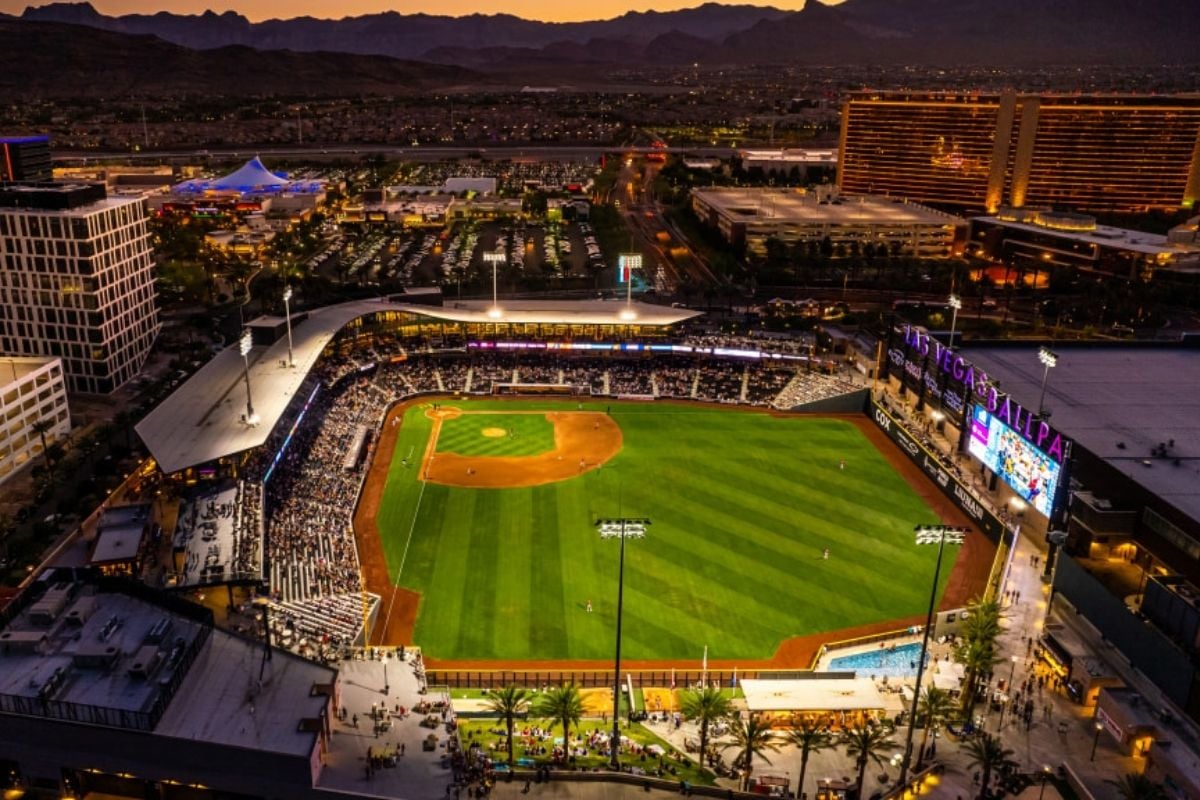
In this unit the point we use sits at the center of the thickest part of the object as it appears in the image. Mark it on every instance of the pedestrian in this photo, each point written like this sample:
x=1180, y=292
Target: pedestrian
x=526, y=789
x=842, y=464
x=589, y=606
x=825, y=554
x=355, y=720
x=402, y=745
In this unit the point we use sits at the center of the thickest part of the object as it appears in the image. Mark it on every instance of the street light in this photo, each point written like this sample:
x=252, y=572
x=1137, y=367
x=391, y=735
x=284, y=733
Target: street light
x=623, y=528
x=955, y=303
x=494, y=259
x=287, y=311
x=1096, y=740
x=627, y=263
x=244, y=345
x=1045, y=777
x=939, y=535
x=1049, y=360
x=1011, y=670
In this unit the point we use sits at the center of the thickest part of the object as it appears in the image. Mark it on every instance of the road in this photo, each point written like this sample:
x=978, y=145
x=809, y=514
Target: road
x=420, y=153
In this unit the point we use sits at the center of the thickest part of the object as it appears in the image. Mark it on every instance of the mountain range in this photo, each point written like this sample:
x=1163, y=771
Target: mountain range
x=918, y=32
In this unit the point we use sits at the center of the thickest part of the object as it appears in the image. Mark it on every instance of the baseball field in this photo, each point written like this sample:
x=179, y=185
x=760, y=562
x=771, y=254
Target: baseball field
x=763, y=528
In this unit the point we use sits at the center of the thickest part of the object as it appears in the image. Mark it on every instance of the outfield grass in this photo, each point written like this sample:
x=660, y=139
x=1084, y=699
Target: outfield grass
x=742, y=507
x=523, y=435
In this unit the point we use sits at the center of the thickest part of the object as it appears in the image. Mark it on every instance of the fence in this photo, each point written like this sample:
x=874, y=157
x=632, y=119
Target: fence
x=491, y=679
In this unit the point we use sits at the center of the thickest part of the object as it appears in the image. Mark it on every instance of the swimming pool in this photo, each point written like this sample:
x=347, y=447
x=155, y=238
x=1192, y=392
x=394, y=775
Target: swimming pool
x=894, y=662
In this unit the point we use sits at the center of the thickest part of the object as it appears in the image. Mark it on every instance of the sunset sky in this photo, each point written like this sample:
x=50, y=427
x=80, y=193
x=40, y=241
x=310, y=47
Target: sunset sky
x=553, y=10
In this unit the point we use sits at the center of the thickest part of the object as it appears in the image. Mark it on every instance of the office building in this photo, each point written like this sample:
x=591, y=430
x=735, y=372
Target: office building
x=1039, y=239
x=25, y=158
x=111, y=689
x=77, y=281
x=749, y=217
x=32, y=390
x=1127, y=153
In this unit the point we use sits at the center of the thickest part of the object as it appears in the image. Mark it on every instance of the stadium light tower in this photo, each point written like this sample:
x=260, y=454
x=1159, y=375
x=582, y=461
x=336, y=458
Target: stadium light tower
x=287, y=312
x=627, y=263
x=244, y=345
x=495, y=259
x=939, y=535
x=955, y=303
x=623, y=528
x=1049, y=361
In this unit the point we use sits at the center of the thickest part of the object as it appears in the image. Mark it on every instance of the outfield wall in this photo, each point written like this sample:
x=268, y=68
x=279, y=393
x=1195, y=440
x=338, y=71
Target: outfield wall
x=852, y=403
x=959, y=493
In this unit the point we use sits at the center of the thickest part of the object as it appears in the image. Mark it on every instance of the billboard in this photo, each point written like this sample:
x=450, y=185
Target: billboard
x=1032, y=474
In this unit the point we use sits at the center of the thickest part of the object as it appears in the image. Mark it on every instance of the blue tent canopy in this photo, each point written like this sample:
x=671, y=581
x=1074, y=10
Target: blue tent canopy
x=251, y=175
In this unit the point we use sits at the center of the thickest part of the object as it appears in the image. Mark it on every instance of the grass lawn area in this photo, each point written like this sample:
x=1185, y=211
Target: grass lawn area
x=742, y=506
x=496, y=435
x=489, y=733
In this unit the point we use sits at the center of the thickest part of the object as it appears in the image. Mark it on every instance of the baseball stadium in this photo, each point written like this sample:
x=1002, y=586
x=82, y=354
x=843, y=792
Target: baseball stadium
x=501, y=488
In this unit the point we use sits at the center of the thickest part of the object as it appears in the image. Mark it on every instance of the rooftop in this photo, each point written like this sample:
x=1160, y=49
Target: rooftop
x=816, y=694
x=1119, y=403
x=13, y=369
x=751, y=204
x=104, y=657
x=204, y=418
x=1101, y=235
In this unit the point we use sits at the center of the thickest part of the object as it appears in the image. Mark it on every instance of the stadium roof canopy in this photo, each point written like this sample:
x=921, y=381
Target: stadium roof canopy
x=816, y=694
x=1118, y=403
x=202, y=420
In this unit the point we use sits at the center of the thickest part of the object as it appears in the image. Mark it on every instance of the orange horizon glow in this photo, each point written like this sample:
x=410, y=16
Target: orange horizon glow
x=260, y=10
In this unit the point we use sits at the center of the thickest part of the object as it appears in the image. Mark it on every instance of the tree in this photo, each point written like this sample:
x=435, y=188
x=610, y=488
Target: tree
x=977, y=646
x=1133, y=786
x=935, y=706
x=867, y=743
x=705, y=705
x=811, y=737
x=509, y=703
x=988, y=755
x=751, y=737
x=562, y=704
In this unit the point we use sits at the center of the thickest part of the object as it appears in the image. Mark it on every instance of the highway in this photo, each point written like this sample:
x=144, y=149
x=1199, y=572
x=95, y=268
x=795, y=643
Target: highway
x=420, y=153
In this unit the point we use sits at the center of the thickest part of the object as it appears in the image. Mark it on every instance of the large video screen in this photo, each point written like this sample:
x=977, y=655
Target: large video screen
x=1031, y=473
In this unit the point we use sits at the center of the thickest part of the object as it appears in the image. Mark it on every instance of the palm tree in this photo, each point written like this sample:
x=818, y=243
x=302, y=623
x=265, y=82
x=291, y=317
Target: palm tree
x=1133, y=786
x=811, y=737
x=706, y=705
x=977, y=659
x=752, y=737
x=562, y=704
x=509, y=703
x=989, y=755
x=935, y=706
x=41, y=427
x=867, y=743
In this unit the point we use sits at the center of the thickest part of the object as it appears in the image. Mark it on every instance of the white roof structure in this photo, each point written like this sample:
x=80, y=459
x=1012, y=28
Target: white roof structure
x=801, y=207
x=120, y=543
x=203, y=420
x=816, y=694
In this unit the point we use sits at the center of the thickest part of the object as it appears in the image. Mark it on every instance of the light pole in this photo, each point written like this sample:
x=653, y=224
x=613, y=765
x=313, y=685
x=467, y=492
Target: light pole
x=1049, y=360
x=623, y=528
x=1008, y=687
x=244, y=345
x=495, y=259
x=287, y=312
x=1045, y=777
x=955, y=303
x=939, y=535
x=627, y=263
x=1096, y=740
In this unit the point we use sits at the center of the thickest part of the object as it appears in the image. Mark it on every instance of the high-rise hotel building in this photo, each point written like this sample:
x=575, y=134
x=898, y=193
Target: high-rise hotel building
x=76, y=281
x=1126, y=153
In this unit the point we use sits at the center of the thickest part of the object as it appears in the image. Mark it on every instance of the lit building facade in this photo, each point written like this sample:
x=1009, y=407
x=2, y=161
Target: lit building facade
x=1127, y=153
x=77, y=281
x=32, y=390
x=750, y=217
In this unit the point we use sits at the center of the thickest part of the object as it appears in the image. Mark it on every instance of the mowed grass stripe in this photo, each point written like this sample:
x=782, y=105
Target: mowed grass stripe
x=742, y=505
